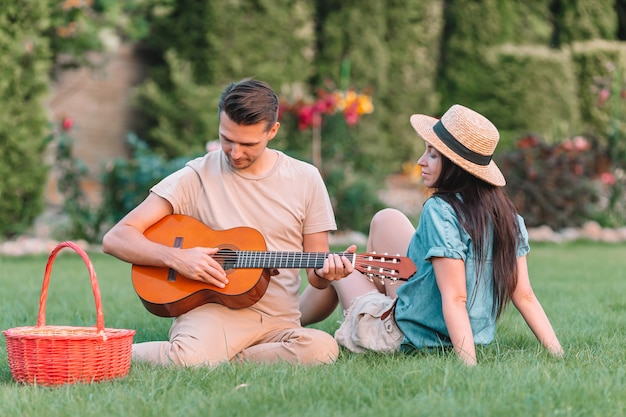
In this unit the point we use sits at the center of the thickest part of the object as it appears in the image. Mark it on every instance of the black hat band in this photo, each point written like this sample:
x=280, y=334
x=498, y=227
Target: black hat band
x=458, y=148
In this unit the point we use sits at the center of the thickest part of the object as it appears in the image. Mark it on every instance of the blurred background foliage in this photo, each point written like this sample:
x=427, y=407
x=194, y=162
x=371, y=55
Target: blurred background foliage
x=551, y=70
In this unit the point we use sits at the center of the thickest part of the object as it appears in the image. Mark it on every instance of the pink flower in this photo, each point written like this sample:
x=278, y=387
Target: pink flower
x=67, y=123
x=603, y=96
x=581, y=144
x=607, y=178
x=326, y=103
x=351, y=114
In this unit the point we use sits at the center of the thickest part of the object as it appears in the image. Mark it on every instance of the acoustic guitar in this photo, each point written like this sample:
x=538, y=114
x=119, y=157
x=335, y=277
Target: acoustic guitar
x=243, y=255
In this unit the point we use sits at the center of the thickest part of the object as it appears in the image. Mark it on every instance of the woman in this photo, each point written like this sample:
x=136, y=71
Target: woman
x=469, y=248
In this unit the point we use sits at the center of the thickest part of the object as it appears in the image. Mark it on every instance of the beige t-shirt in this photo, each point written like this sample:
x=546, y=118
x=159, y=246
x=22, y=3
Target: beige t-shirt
x=287, y=202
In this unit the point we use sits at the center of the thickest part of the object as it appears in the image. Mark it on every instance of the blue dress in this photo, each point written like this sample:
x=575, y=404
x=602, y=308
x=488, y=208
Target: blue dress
x=418, y=311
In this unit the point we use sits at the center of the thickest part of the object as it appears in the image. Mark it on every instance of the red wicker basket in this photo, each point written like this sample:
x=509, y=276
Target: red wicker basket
x=56, y=355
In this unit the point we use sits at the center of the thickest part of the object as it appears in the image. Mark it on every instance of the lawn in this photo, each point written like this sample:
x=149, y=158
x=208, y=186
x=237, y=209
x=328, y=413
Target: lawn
x=582, y=287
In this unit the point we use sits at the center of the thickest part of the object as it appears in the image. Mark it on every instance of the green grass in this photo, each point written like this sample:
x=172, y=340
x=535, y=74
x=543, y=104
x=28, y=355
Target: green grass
x=582, y=286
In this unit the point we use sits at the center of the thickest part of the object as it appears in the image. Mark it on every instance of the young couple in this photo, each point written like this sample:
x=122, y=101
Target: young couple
x=469, y=248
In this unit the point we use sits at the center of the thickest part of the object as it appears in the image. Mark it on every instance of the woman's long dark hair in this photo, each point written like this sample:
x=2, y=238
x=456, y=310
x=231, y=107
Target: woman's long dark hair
x=484, y=209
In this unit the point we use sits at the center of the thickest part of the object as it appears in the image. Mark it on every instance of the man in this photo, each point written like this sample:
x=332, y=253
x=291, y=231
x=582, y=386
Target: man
x=244, y=183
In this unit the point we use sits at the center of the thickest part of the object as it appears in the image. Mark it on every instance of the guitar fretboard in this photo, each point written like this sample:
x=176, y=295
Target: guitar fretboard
x=278, y=260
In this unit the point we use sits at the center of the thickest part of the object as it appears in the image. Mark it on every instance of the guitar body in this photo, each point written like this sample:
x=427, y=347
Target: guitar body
x=166, y=293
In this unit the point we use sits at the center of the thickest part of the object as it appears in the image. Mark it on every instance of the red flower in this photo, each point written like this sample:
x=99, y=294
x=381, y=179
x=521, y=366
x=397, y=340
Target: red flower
x=527, y=142
x=282, y=109
x=578, y=169
x=306, y=117
x=67, y=123
x=567, y=144
x=310, y=114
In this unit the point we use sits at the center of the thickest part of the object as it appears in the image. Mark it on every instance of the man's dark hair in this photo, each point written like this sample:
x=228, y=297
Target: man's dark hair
x=249, y=102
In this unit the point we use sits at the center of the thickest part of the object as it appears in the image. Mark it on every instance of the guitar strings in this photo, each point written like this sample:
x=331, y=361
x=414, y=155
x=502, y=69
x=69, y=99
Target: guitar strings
x=249, y=257
x=297, y=255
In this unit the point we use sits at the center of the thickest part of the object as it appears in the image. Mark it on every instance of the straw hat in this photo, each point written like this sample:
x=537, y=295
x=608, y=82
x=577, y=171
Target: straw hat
x=466, y=137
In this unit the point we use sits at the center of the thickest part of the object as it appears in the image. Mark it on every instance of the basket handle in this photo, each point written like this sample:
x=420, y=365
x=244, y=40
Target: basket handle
x=41, y=319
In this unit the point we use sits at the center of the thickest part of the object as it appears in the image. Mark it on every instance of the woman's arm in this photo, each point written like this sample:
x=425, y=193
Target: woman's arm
x=450, y=275
x=531, y=310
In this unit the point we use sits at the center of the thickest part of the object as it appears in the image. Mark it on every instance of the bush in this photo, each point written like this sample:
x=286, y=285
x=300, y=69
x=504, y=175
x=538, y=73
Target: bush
x=600, y=67
x=126, y=182
x=577, y=20
x=183, y=114
x=178, y=101
x=24, y=128
x=533, y=89
x=552, y=184
x=355, y=200
x=611, y=208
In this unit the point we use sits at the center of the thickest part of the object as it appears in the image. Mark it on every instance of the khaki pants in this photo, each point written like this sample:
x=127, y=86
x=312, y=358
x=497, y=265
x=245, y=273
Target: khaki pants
x=212, y=334
x=368, y=327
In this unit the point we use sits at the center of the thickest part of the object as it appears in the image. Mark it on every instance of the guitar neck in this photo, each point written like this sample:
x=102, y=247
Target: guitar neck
x=277, y=260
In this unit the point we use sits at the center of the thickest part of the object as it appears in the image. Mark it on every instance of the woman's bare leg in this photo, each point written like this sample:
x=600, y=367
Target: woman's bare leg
x=390, y=233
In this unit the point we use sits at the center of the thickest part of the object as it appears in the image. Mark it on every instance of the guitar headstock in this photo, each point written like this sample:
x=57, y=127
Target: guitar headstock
x=385, y=266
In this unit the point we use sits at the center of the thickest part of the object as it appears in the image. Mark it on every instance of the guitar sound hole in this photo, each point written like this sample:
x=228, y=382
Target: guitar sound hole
x=227, y=258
